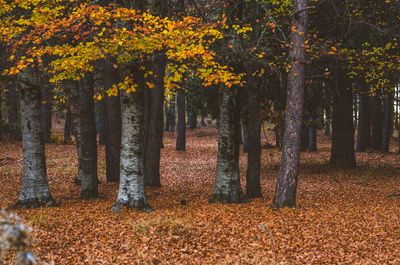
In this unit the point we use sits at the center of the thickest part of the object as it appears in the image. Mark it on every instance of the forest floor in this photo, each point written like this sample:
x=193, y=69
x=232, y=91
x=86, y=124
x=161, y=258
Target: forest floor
x=343, y=216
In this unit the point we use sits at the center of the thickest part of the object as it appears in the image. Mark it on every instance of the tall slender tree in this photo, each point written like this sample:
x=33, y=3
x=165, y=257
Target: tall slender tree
x=87, y=122
x=286, y=188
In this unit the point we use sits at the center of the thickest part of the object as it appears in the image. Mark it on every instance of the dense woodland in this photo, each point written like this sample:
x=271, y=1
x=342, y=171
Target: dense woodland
x=173, y=131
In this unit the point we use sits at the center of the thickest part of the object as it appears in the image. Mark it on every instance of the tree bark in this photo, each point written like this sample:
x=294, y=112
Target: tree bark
x=131, y=188
x=101, y=117
x=387, y=122
x=377, y=122
x=87, y=122
x=1, y=118
x=13, y=121
x=227, y=187
x=72, y=91
x=253, y=186
x=35, y=191
x=181, y=137
x=112, y=132
x=312, y=139
x=327, y=123
x=286, y=188
x=342, y=152
x=46, y=113
x=364, y=122
x=155, y=126
x=245, y=138
x=67, y=126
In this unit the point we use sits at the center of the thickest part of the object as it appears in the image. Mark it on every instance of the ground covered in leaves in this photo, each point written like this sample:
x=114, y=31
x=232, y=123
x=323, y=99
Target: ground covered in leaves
x=343, y=216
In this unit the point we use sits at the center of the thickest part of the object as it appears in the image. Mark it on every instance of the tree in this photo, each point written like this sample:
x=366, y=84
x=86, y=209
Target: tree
x=181, y=137
x=132, y=180
x=227, y=187
x=285, y=193
x=113, y=123
x=35, y=191
x=88, y=138
x=342, y=152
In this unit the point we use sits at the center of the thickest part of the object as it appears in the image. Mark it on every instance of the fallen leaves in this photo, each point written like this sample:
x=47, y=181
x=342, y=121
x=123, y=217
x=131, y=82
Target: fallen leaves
x=343, y=216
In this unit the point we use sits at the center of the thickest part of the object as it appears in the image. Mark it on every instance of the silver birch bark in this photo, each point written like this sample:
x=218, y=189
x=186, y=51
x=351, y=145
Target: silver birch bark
x=35, y=191
x=131, y=187
x=227, y=188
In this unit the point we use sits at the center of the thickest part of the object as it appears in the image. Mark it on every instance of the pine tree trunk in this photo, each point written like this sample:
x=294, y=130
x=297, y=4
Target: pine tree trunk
x=253, y=186
x=364, y=122
x=342, y=152
x=131, y=187
x=87, y=122
x=35, y=191
x=227, y=187
x=154, y=133
x=387, y=123
x=67, y=126
x=46, y=113
x=112, y=132
x=286, y=188
x=181, y=137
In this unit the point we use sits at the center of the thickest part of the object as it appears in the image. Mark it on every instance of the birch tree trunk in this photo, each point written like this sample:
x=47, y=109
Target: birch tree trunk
x=35, y=191
x=286, y=188
x=131, y=187
x=227, y=188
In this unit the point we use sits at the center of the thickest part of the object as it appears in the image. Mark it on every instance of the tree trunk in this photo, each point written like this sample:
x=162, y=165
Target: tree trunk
x=1, y=118
x=181, y=137
x=101, y=116
x=312, y=139
x=35, y=191
x=227, y=187
x=13, y=122
x=253, y=186
x=88, y=139
x=112, y=132
x=46, y=113
x=167, y=117
x=387, y=122
x=245, y=138
x=285, y=193
x=155, y=130
x=364, y=121
x=377, y=123
x=327, y=123
x=304, y=138
x=131, y=187
x=342, y=152
x=67, y=126
x=72, y=91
